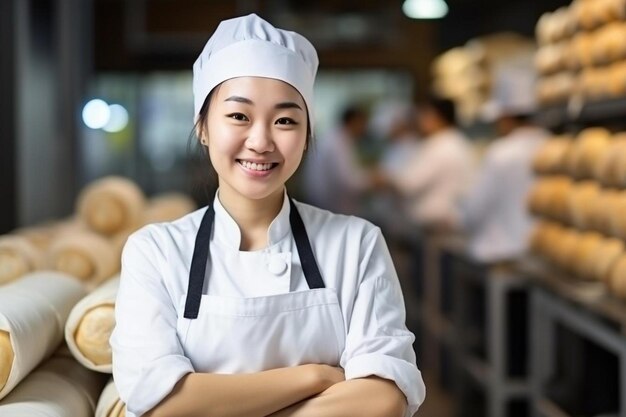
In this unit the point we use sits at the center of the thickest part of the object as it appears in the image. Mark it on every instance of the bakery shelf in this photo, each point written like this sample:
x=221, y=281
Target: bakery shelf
x=611, y=111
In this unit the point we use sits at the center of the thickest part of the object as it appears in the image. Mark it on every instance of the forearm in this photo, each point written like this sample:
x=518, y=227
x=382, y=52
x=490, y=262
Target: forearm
x=365, y=397
x=250, y=395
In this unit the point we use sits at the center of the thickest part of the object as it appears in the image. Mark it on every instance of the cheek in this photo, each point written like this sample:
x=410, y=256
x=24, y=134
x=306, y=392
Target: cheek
x=292, y=149
x=223, y=143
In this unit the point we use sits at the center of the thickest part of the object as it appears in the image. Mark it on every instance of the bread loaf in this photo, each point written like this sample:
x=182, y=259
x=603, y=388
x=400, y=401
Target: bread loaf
x=617, y=277
x=581, y=203
x=168, y=207
x=18, y=256
x=111, y=205
x=33, y=311
x=109, y=404
x=89, y=327
x=86, y=256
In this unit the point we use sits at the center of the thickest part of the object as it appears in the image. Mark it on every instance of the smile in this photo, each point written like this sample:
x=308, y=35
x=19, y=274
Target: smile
x=257, y=166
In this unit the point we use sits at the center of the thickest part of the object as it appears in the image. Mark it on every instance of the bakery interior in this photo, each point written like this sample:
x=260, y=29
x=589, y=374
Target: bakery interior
x=97, y=141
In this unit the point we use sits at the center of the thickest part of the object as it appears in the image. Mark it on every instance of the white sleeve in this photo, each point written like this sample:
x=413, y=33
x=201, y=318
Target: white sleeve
x=148, y=359
x=378, y=342
x=482, y=198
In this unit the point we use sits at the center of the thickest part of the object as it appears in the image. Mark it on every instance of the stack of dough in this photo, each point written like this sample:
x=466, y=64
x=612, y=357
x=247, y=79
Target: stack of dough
x=617, y=215
x=33, y=311
x=111, y=206
x=550, y=159
x=89, y=327
x=589, y=149
x=582, y=256
x=611, y=170
x=168, y=207
x=601, y=263
x=109, y=404
x=617, y=277
x=18, y=256
x=582, y=201
x=84, y=255
x=549, y=198
x=601, y=210
x=59, y=388
x=584, y=43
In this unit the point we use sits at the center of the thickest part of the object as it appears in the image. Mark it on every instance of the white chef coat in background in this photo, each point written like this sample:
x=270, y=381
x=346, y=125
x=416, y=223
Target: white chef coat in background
x=435, y=178
x=334, y=178
x=149, y=356
x=494, y=213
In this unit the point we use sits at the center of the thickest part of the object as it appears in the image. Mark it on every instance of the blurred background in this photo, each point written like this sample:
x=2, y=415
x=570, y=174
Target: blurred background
x=486, y=139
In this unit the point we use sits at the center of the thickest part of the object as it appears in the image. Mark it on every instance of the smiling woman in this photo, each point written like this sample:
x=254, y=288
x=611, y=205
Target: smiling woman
x=258, y=305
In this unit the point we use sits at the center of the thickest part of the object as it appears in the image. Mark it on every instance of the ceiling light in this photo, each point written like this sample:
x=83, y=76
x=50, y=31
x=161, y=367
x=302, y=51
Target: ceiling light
x=96, y=114
x=425, y=9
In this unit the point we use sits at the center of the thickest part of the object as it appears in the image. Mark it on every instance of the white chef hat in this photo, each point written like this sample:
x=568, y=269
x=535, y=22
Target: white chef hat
x=248, y=46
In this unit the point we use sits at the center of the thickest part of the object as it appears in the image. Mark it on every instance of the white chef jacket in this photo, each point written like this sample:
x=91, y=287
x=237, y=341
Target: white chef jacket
x=148, y=356
x=494, y=212
x=436, y=176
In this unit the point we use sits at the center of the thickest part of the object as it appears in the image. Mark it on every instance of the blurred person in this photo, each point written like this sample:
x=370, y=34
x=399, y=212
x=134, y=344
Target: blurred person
x=439, y=171
x=494, y=213
x=334, y=177
x=393, y=122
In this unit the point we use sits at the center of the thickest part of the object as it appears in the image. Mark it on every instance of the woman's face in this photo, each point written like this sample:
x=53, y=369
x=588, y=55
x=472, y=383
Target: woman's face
x=256, y=134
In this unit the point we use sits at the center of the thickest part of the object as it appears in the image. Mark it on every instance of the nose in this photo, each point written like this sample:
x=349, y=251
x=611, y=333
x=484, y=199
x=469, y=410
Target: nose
x=260, y=139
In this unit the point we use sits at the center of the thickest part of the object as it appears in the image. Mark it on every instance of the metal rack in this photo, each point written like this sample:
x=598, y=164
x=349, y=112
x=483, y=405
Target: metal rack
x=448, y=273
x=583, y=308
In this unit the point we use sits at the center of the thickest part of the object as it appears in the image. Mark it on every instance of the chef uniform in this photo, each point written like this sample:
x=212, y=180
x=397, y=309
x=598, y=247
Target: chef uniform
x=494, y=212
x=324, y=290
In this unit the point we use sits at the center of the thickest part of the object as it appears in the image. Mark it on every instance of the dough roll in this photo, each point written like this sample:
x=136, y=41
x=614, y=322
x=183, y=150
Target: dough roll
x=85, y=255
x=109, y=404
x=111, y=205
x=60, y=387
x=89, y=327
x=617, y=278
x=168, y=207
x=33, y=312
x=18, y=257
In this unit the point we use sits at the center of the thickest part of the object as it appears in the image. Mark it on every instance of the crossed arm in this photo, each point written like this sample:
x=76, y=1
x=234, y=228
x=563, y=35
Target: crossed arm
x=301, y=391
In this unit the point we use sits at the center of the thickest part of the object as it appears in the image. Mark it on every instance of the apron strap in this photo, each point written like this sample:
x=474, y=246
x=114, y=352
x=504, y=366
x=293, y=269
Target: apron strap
x=200, y=258
x=199, y=263
x=307, y=259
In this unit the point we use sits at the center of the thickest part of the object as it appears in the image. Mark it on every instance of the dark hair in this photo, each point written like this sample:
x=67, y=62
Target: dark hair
x=352, y=112
x=445, y=108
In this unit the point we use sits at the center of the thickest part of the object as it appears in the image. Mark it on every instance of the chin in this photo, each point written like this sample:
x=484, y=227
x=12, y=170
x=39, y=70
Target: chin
x=259, y=191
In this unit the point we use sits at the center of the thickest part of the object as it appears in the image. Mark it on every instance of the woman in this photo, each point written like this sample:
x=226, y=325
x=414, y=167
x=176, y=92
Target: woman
x=258, y=305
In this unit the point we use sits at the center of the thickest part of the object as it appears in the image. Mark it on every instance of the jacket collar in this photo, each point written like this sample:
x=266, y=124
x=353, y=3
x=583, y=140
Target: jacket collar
x=227, y=230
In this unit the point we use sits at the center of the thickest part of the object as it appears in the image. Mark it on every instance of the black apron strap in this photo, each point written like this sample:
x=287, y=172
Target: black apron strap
x=199, y=263
x=307, y=259
x=200, y=259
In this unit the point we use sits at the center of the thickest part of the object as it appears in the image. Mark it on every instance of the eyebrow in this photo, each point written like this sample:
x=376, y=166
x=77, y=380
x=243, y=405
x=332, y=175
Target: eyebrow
x=280, y=106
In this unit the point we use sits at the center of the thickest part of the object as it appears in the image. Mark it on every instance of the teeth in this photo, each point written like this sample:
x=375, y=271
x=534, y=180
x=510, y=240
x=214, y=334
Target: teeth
x=254, y=166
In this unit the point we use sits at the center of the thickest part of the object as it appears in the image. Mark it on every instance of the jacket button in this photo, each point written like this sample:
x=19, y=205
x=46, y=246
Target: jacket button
x=277, y=266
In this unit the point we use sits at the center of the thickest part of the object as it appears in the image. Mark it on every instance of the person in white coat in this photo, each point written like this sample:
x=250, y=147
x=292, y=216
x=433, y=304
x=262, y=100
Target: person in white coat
x=440, y=170
x=258, y=305
x=493, y=213
x=334, y=178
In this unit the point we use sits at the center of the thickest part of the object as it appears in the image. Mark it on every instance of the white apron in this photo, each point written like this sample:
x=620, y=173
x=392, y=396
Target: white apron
x=240, y=335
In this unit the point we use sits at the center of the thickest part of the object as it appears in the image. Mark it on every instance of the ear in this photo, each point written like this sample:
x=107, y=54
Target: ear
x=201, y=136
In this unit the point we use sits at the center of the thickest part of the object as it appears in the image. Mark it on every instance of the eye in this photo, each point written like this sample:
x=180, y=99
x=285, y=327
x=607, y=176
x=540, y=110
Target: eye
x=286, y=121
x=240, y=117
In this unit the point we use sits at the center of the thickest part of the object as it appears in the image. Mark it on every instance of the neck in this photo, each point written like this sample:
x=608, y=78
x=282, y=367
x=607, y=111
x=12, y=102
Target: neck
x=252, y=216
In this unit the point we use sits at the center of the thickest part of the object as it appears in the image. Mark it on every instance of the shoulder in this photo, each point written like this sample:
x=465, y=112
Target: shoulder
x=328, y=225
